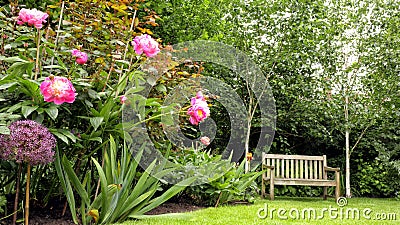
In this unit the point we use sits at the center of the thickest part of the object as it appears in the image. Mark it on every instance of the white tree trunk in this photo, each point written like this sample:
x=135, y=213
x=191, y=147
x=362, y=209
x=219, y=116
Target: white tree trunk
x=348, y=193
x=246, y=146
x=346, y=114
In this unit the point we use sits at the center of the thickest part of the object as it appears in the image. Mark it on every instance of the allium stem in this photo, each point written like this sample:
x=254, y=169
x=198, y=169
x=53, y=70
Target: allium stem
x=37, y=54
x=14, y=221
x=28, y=180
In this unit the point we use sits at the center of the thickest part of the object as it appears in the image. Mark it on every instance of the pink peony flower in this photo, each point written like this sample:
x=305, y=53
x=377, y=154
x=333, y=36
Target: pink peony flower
x=199, y=98
x=145, y=44
x=32, y=17
x=199, y=110
x=198, y=113
x=57, y=90
x=81, y=57
x=123, y=98
x=205, y=140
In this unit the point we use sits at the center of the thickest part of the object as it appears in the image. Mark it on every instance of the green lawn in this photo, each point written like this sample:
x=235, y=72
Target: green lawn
x=370, y=210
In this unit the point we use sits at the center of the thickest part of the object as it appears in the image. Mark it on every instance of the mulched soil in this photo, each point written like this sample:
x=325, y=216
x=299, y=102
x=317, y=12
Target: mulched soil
x=170, y=207
x=51, y=214
x=40, y=214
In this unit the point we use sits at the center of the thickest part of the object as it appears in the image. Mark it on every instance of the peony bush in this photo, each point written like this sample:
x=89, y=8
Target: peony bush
x=48, y=79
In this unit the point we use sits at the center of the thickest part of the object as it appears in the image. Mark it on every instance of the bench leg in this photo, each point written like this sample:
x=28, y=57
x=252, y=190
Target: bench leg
x=325, y=194
x=337, y=189
x=262, y=188
x=271, y=191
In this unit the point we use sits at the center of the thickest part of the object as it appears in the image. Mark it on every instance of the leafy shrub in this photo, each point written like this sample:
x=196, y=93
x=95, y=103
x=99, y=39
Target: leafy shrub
x=299, y=191
x=376, y=179
x=3, y=204
x=122, y=196
x=35, y=3
x=219, y=180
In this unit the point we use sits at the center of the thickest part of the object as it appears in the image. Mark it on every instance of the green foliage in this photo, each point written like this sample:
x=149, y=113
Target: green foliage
x=237, y=185
x=30, y=4
x=122, y=196
x=3, y=203
x=299, y=191
x=8, y=171
x=219, y=181
x=376, y=179
x=207, y=19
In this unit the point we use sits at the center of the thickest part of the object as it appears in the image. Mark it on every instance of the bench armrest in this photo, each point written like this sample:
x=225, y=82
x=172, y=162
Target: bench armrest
x=268, y=167
x=327, y=168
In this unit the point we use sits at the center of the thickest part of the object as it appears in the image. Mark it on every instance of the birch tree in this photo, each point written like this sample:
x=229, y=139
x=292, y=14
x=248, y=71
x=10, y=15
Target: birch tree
x=357, y=84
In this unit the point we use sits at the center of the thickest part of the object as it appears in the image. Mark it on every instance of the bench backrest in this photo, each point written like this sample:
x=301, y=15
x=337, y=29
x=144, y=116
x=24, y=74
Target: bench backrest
x=296, y=166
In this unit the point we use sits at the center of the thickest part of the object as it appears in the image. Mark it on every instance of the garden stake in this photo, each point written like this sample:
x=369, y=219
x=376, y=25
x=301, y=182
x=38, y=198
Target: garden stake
x=37, y=54
x=28, y=179
x=17, y=193
x=58, y=31
x=126, y=49
x=219, y=198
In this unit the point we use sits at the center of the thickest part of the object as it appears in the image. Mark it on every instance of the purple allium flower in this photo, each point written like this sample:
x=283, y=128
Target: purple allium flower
x=28, y=142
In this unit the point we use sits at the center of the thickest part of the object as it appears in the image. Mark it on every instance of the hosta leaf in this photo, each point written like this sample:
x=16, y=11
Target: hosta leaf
x=60, y=135
x=4, y=130
x=96, y=121
x=27, y=110
x=7, y=85
x=52, y=112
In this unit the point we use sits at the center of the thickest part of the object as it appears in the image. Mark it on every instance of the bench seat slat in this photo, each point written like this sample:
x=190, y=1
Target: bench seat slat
x=306, y=169
x=315, y=170
x=301, y=169
x=320, y=170
x=291, y=168
x=287, y=168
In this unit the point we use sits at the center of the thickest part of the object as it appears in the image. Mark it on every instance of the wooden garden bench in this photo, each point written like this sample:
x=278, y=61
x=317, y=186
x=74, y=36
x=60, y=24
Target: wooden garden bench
x=298, y=170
